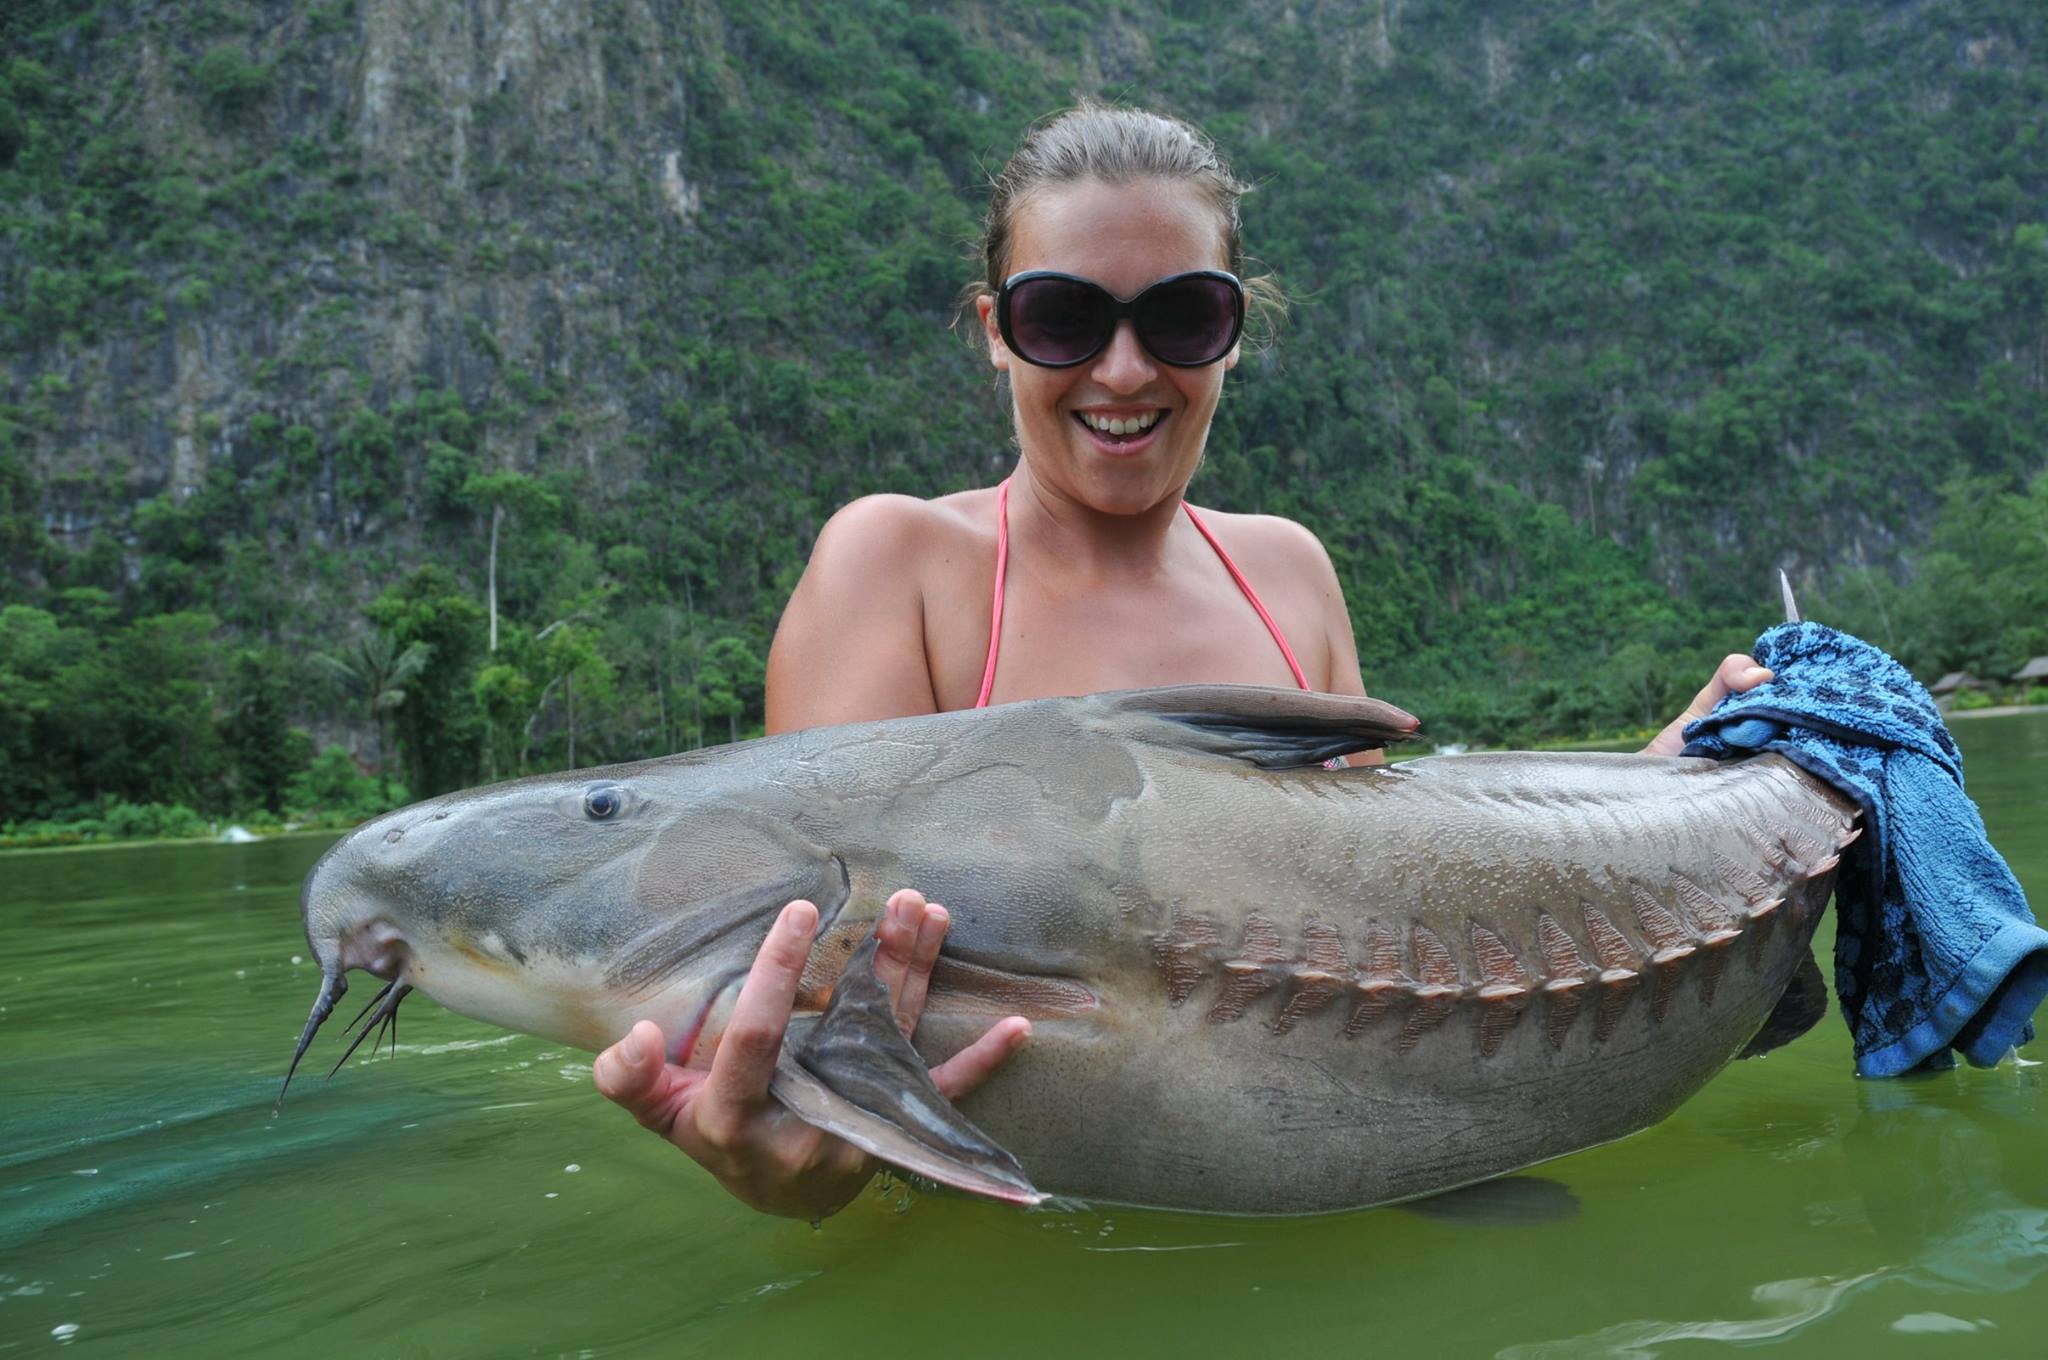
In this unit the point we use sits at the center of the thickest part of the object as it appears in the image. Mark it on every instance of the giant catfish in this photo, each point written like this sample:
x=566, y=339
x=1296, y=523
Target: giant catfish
x=1258, y=985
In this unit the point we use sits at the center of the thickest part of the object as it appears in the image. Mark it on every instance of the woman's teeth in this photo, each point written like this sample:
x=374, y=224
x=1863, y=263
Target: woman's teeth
x=1120, y=424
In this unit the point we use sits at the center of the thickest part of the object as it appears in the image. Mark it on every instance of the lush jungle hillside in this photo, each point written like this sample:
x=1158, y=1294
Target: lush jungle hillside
x=1599, y=315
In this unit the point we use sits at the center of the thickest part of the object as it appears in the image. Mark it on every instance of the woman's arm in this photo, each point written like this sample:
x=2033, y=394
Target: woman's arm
x=851, y=646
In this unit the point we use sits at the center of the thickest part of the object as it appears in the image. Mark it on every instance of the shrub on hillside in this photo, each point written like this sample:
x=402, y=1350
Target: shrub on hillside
x=229, y=80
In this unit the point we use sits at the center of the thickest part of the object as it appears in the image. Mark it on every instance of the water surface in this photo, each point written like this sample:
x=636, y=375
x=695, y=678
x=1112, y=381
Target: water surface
x=473, y=1196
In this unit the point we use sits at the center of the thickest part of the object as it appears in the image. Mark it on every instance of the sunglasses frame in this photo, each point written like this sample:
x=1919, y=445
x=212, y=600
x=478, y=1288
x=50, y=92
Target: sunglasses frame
x=1126, y=310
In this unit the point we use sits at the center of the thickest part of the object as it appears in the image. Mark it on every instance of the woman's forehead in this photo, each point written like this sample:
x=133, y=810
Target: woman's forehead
x=1121, y=235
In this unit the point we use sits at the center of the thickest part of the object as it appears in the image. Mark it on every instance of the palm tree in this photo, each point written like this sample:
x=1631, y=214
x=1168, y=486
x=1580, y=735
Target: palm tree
x=377, y=670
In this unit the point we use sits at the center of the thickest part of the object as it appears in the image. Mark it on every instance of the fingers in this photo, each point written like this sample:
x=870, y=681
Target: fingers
x=898, y=928
x=911, y=930
x=746, y=1054
x=931, y=933
x=1743, y=674
x=972, y=1065
x=632, y=1074
x=1738, y=673
x=628, y=1068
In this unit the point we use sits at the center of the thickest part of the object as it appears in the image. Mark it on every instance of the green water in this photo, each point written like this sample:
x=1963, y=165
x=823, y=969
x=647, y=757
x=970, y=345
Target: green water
x=473, y=1196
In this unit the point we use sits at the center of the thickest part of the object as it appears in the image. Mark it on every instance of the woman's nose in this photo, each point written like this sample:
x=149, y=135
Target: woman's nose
x=1124, y=365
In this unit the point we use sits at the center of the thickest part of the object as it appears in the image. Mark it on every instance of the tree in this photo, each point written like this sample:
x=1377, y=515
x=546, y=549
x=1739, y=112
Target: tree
x=379, y=671
x=573, y=655
x=268, y=752
x=439, y=727
x=506, y=493
x=731, y=677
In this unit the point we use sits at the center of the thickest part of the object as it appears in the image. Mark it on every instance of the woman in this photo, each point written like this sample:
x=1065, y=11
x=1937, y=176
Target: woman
x=1112, y=303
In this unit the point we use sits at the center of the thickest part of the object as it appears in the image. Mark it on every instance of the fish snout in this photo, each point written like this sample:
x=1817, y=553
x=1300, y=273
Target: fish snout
x=347, y=903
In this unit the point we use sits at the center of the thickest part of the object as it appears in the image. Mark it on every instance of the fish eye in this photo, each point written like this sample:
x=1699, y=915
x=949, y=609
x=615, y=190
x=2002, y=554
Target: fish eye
x=602, y=804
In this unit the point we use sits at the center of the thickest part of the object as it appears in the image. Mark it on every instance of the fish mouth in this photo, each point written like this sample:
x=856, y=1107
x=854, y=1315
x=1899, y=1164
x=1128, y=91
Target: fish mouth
x=829, y=907
x=686, y=1043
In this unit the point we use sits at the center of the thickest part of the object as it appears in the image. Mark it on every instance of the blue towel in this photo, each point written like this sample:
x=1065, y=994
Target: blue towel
x=1935, y=948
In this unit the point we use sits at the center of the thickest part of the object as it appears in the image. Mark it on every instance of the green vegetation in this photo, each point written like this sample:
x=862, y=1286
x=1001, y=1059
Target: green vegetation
x=229, y=80
x=486, y=431
x=1978, y=600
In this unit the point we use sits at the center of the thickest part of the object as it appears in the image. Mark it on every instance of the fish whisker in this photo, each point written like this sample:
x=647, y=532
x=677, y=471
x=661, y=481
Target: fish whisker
x=376, y=1021
x=332, y=986
x=382, y=992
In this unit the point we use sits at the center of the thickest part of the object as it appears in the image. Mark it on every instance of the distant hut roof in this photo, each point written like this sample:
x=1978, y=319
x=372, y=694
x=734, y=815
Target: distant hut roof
x=1954, y=681
x=2037, y=669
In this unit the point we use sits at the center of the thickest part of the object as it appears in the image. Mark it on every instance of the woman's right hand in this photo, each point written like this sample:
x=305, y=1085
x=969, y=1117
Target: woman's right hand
x=724, y=1118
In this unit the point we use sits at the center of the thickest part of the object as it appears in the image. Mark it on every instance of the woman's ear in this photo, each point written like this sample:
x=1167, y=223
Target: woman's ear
x=1230, y=359
x=985, y=309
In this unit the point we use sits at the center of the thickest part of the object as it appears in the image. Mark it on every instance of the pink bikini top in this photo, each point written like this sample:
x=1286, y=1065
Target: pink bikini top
x=995, y=627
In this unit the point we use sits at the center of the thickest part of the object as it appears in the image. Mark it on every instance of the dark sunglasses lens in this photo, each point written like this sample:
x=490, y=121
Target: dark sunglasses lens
x=1059, y=321
x=1189, y=321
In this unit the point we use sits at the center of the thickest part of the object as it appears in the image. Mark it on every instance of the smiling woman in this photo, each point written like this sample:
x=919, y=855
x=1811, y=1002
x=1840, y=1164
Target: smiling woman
x=1112, y=300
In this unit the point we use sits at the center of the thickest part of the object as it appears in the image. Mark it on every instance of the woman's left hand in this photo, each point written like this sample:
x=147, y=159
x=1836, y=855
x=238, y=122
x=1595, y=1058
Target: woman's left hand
x=1737, y=673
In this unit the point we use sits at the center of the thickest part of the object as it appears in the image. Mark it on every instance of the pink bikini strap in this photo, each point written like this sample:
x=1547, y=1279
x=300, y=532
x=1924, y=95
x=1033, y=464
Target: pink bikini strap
x=995, y=627
x=1250, y=594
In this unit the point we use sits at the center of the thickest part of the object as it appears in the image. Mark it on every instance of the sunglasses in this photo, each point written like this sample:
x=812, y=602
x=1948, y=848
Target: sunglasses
x=1057, y=320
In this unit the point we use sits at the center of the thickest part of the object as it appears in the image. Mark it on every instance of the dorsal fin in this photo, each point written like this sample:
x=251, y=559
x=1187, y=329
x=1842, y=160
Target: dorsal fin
x=1270, y=728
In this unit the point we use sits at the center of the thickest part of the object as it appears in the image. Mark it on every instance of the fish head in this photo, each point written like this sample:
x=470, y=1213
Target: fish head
x=567, y=906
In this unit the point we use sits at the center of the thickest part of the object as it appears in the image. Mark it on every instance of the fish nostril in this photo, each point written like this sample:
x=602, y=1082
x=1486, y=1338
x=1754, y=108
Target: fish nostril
x=394, y=835
x=375, y=946
x=441, y=815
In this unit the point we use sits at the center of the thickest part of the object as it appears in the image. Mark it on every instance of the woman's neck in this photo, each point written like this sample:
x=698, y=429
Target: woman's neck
x=1086, y=542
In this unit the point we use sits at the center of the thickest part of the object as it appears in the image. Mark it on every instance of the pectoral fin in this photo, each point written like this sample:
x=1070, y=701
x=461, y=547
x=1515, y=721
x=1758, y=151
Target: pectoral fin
x=1805, y=1001
x=857, y=1076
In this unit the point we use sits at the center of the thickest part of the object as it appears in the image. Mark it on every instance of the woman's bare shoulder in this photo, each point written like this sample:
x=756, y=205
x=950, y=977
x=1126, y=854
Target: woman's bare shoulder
x=1275, y=548
x=1293, y=571
x=877, y=576
x=904, y=531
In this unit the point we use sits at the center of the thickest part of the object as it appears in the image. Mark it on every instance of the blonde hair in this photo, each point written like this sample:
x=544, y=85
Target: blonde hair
x=1116, y=146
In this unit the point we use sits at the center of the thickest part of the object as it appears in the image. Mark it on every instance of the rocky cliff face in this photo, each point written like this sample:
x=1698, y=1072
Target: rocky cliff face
x=1729, y=289
x=411, y=178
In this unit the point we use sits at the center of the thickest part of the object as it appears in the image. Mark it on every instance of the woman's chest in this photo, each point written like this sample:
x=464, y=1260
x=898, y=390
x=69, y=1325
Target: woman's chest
x=1057, y=637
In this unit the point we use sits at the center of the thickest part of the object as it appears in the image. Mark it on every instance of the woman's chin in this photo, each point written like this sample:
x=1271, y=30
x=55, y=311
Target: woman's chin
x=1133, y=484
